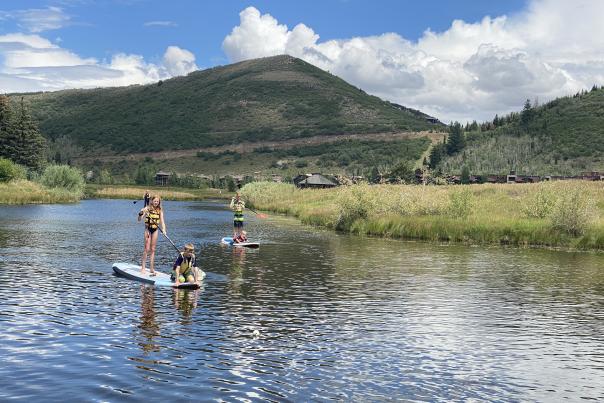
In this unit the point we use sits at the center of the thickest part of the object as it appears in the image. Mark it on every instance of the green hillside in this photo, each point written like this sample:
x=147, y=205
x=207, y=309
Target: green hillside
x=272, y=98
x=562, y=137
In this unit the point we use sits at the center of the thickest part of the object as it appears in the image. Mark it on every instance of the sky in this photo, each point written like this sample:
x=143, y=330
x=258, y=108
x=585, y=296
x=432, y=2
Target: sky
x=456, y=60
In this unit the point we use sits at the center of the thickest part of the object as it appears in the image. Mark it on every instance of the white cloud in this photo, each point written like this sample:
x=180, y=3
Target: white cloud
x=41, y=19
x=33, y=63
x=470, y=71
x=179, y=62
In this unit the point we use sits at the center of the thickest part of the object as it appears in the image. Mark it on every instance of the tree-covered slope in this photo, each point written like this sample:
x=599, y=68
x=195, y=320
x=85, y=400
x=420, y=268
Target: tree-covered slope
x=564, y=136
x=271, y=98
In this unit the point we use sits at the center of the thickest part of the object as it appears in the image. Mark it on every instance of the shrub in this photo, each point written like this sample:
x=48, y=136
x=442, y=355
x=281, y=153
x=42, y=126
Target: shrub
x=541, y=204
x=355, y=203
x=63, y=176
x=460, y=203
x=574, y=212
x=10, y=171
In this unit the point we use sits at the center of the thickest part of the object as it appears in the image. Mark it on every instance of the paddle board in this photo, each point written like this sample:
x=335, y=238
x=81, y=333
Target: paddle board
x=229, y=241
x=160, y=279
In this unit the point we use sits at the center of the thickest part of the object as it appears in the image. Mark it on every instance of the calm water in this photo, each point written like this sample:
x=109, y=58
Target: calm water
x=340, y=317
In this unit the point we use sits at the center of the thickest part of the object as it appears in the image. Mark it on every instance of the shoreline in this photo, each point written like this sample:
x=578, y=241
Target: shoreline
x=495, y=215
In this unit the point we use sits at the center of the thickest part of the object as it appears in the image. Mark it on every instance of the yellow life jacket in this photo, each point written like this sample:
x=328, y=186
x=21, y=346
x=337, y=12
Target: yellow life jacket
x=238, y=207
x=187, y=265
x=152, y=218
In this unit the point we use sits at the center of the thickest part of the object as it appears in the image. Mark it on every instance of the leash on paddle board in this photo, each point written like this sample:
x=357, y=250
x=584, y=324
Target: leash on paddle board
x=178, y=250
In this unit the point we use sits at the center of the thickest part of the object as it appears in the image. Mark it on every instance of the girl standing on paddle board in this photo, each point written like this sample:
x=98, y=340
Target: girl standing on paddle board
x=153, y=216
x=237, y=205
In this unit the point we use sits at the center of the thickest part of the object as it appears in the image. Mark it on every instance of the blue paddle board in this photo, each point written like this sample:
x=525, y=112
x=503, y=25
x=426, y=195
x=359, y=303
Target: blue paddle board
x=229, y=241
x=160, y=279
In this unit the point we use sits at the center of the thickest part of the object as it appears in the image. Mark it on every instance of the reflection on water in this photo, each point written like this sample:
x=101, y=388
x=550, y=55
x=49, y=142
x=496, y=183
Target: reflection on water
x=149, y=328
x=185, y=301
x=310, y=315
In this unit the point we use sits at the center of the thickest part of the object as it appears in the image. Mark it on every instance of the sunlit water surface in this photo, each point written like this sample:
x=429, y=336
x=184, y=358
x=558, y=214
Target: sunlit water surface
x=337, y=317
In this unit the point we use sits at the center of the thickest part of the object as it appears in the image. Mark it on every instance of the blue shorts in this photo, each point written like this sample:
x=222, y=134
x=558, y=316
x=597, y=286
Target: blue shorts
x=238, y=224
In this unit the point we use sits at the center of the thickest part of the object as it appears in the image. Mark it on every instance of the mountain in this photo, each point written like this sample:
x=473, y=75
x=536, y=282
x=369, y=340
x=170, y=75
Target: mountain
x=562, y=137
x=273, y=98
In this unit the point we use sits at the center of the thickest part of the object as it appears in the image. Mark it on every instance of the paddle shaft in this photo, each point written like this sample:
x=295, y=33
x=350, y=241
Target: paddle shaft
x=260, y=215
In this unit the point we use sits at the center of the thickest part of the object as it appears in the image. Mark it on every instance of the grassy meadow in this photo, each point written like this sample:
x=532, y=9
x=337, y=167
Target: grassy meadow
x=167, y=193
x=28, y=192
x=566, y=214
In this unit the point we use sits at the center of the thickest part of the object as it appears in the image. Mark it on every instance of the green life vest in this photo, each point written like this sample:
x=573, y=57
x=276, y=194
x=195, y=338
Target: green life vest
x=238, y=210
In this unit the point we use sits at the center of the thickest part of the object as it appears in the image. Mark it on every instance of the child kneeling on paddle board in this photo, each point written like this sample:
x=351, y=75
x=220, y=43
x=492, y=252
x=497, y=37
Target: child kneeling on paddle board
x=241, y=238
x=185, y=268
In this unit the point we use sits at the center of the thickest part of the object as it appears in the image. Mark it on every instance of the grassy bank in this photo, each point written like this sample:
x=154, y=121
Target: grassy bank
x=557, y=214
x=27, y=192
x=168, y=193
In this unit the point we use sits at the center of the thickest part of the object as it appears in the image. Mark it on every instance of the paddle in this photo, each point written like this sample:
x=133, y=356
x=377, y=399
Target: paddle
x=259, y=215
x=178, y=250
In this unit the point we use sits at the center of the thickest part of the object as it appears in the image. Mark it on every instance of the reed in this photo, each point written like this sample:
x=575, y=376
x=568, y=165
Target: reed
x=555, y=214
x=133, y=192
x=26, y=192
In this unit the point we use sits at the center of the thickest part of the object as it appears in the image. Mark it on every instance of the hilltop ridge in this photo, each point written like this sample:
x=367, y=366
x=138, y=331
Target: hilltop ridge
x=272, y=98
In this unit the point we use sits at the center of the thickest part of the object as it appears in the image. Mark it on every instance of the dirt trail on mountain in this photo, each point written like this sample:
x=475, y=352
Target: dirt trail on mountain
x=246, y=147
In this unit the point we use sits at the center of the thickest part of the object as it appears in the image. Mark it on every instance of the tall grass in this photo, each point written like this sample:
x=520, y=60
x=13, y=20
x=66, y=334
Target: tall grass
x=25, y=192
x=133, y=192
x=557, y=214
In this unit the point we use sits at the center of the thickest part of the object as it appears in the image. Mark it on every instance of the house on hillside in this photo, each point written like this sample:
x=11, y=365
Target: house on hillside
x=316, y=181
x=300, y=178
x=162, y=178
x=593, y=176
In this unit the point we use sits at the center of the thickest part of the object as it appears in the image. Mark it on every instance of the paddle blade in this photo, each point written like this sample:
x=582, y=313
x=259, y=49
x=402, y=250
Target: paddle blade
x=262, y=215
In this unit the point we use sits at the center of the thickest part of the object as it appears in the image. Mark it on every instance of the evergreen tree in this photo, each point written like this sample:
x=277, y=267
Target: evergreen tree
x=25, y=144
x=5, y=127
x=374, y=177
x=403, y=171
x=465, y=175
x=527, y=115
x=436, y=155
x=456, y=141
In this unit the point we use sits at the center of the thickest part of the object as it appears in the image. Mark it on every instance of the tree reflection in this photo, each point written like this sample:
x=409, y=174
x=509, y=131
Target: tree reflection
x=148, y=326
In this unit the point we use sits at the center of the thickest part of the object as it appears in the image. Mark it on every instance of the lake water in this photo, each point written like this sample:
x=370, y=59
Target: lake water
x=339, y=317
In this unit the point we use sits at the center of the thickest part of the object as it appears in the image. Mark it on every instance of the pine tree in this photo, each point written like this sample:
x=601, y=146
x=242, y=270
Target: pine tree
x=375, y=175
x=465, y=175
x=25, y=144
x=5, y=127
x=436, y=155
x=527, y=115
x=456, y=141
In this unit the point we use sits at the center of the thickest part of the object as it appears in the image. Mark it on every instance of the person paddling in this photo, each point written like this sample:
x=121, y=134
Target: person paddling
x=153, y=217
x=185, y=267
x=237, y=205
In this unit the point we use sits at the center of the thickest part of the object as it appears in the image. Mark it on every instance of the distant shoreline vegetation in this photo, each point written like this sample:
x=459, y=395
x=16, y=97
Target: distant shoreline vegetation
x=554, y=214
x=56, y=184
x=134, y=193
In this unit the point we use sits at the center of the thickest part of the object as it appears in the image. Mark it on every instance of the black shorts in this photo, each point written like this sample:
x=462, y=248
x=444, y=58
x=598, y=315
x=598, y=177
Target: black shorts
x=238, y=224
x=151, y=230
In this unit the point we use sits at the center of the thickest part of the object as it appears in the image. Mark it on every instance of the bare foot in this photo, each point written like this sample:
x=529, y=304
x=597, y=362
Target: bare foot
x=152, y=274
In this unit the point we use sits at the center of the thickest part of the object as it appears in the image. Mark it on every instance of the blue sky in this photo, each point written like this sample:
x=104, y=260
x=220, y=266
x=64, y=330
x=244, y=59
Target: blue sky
x=146, y=27
x=462, y=60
